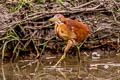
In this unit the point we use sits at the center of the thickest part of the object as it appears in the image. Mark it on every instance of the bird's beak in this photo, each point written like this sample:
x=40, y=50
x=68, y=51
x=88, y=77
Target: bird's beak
x=52, y=19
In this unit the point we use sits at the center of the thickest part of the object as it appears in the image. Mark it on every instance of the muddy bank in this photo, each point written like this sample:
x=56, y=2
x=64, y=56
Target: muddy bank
x=26, y=29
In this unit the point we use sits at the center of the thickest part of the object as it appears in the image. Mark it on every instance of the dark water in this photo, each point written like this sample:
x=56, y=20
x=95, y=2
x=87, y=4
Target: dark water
x=69, y=69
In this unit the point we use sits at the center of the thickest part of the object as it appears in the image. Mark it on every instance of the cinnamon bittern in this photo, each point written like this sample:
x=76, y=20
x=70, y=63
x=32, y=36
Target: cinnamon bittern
x=69, y=30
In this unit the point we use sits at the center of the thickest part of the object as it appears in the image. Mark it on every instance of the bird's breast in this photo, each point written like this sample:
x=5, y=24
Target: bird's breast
x=64, y=32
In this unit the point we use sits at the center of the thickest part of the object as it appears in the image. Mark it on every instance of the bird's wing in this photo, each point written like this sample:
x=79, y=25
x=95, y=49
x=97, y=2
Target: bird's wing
x=81, y=30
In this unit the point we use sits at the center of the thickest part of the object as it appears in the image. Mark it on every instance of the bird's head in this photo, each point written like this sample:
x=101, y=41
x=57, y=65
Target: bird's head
x=58, y=18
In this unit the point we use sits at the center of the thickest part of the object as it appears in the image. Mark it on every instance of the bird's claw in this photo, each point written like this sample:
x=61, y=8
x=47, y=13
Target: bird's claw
x=63, y=56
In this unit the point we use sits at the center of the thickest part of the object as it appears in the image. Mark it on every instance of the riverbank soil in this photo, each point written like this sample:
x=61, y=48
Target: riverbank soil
x=25, y=29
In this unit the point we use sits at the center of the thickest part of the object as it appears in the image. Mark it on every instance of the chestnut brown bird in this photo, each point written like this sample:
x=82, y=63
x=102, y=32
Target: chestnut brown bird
x=69, y=30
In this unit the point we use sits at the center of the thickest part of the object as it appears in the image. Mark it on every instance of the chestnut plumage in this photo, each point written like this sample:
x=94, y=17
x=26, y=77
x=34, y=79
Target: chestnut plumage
x=69, y=30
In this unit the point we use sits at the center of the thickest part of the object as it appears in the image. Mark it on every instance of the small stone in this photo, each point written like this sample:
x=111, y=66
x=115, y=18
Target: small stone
x=106, y=66
x=95, y=55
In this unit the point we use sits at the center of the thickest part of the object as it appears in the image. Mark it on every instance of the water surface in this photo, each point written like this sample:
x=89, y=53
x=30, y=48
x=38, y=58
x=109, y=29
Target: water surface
x=69, y=69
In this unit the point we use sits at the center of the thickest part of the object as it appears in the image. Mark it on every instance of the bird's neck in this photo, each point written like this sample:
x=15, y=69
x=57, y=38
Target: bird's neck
x=59, y=22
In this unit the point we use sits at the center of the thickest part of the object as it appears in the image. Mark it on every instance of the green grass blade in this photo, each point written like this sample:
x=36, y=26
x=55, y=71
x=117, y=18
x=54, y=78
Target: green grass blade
x=15, y=48
x=4, y=46
x=60, y=2
x=39, y=1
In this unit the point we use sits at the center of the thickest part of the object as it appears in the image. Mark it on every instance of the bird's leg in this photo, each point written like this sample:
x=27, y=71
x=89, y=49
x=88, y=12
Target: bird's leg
x=69, y=44
x=78, y=48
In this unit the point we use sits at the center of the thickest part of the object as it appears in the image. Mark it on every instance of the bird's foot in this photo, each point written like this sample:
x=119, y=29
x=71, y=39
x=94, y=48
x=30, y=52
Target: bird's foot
x=63, y=56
